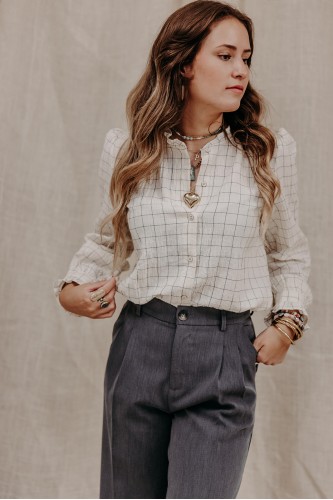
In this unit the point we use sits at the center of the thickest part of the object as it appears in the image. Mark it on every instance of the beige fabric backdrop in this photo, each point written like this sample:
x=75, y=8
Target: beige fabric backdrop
x=66, y=68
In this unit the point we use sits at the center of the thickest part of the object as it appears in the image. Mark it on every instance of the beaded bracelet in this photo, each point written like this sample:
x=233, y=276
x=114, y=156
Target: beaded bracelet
x=291, y=316
x=288, y=315
x=295, y=315
x=294, y=318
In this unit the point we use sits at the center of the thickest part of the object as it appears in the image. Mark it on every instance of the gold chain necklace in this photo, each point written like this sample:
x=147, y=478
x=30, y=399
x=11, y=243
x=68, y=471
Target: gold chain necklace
x=191, y=198
x=193, y=166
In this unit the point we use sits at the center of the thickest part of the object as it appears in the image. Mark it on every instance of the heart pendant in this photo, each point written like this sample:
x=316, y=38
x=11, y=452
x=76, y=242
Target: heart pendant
x=191, y=199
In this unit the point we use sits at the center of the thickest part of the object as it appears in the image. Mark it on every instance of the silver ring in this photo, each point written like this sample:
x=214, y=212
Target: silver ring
x=103, y=303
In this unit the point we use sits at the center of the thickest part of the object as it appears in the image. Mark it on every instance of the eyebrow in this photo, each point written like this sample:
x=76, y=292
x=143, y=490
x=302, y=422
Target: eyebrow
x=232, y=47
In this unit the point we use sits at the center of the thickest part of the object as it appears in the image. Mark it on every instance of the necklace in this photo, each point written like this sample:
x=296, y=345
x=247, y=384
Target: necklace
x=193, y=167
x=196, y=138
x=191, y=198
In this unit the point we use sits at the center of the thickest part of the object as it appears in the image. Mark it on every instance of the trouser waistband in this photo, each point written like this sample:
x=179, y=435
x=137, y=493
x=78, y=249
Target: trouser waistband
x=190, y=315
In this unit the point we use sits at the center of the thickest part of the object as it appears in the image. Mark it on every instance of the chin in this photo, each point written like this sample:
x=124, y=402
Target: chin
x=228, y=106
x=231, y=107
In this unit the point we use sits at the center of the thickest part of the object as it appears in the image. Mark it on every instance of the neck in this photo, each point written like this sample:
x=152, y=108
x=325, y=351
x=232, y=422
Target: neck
x=197, y=121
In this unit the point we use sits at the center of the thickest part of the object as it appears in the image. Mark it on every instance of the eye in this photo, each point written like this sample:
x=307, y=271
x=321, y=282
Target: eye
x=246, y=61
x=226, y=56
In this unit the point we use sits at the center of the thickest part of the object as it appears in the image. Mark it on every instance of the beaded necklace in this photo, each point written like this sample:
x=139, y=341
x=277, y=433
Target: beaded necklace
x=198, y=137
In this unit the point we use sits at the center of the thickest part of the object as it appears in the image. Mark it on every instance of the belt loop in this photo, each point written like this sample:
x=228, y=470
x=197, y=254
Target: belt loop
x=138, y=309
x=223, y=319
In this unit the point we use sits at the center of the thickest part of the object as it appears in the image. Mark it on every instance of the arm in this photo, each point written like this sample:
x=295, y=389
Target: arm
x=93, y=261
x=289, y=257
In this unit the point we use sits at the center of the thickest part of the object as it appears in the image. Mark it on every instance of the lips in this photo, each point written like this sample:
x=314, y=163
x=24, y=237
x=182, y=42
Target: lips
x=239, y=87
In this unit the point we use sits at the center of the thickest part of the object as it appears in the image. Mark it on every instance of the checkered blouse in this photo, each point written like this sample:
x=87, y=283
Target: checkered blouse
x=210, y=254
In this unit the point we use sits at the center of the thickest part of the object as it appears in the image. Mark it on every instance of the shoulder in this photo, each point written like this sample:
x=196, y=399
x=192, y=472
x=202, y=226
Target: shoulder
x=285, y=145
x=113, y=141
x=283, y=162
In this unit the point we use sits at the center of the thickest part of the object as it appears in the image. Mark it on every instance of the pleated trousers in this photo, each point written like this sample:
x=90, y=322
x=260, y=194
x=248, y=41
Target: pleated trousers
x=179, y=402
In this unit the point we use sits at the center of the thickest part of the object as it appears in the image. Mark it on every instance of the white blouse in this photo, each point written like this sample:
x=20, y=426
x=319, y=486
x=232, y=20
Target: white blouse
x=210, y=254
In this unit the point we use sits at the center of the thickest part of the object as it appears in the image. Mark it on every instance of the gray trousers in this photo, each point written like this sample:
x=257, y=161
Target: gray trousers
x=179, y=402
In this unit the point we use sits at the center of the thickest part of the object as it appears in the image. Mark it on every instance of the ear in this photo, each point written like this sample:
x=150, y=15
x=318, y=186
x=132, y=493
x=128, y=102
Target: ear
x=187, y=71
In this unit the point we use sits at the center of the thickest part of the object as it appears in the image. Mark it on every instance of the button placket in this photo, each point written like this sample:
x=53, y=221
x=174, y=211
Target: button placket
x=192, y=237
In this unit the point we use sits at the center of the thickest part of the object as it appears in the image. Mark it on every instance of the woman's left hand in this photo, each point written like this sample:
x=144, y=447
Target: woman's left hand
x=272, y=345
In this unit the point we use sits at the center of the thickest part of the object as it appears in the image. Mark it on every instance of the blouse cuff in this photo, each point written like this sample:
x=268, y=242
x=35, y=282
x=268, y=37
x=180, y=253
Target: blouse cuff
x=81, y=279
x=269, y=317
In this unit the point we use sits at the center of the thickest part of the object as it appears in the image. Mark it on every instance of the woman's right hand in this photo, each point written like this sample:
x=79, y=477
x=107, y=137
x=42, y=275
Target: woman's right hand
x=76, y=299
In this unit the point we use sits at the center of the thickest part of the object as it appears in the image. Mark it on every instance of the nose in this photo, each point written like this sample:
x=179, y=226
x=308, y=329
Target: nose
x=240, y=69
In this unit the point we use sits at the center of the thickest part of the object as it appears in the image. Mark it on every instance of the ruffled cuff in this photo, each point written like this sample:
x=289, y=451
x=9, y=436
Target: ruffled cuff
x=81, y=279
x=58, y=286
x=269, y=317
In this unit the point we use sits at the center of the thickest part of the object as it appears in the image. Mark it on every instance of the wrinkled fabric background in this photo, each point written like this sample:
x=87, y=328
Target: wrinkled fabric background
x=66, y=69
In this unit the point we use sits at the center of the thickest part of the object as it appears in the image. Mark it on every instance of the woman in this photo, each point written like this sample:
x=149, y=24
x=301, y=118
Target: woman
x=206, y=195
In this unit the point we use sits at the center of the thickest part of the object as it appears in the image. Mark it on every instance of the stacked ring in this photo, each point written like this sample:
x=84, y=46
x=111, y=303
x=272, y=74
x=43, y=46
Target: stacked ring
x=103, y=303
x=95, y=297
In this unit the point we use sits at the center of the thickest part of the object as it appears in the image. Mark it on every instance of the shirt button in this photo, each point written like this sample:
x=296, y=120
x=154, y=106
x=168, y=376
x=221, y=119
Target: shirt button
x=190, y=258
x=183, y=315
x=191, y=216
x=204, y=183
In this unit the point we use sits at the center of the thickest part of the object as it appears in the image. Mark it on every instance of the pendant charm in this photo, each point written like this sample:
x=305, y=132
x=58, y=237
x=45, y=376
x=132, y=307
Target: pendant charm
x=192, y=175
x=191, y=199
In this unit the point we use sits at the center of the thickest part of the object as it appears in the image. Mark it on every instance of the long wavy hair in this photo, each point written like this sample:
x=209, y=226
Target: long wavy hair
x=155, y=106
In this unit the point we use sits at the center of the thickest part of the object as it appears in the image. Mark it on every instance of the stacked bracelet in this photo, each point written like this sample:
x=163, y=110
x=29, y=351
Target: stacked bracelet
x=286, y=334
x=293, y=319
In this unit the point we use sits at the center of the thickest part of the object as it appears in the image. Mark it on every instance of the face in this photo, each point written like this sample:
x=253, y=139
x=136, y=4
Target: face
x=217, y=67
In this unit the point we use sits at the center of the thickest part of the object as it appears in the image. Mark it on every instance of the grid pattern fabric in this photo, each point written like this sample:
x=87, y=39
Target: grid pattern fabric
x=210, y=254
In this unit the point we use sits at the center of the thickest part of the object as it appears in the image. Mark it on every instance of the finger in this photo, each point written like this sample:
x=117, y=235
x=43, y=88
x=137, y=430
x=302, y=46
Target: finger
x=107, y=315
x=102, y=290
x=107, y=312
x=258, y=360
x=108, y=297
x=256, y=345
x=98, y=284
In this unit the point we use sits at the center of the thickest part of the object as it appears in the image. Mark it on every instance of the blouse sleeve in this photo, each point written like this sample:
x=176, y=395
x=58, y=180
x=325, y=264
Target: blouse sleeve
x=93, y=261
x=289, y=256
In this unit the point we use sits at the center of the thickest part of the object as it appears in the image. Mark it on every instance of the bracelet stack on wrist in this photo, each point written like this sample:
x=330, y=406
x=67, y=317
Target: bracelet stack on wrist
x=290, y=318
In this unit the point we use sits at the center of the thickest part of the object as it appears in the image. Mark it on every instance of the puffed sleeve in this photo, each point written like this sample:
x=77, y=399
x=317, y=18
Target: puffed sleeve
x=289, y=256
x=93, y=261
